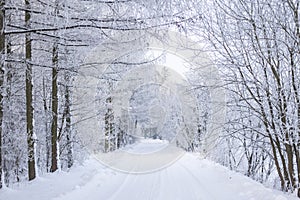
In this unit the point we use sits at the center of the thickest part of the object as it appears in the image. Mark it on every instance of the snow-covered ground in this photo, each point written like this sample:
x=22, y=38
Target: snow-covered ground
x=146, y=146
x=190, y=177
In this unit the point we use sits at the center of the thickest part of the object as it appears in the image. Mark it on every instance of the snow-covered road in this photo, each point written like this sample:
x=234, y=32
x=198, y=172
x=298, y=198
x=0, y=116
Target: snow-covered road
x=189, y=178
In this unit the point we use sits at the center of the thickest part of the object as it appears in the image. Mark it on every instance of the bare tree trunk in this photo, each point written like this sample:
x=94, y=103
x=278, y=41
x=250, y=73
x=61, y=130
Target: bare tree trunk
x=297, y=131
x=54, y=154
x=2, y=51
x=48, y=134
x=9, y=123
x=29, y=108
x=68, y=127
x=67, y=113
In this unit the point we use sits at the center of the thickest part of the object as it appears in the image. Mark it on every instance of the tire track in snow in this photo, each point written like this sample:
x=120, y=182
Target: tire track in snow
x=199, y=182
x=121, y=187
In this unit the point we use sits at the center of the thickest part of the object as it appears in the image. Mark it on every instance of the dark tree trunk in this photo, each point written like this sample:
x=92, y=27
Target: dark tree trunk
x=54, y=158
x=2, y=51
x=29, y=108
x=68, y=126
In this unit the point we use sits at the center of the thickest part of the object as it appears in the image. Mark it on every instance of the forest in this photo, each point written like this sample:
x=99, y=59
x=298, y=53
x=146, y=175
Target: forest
x=47, y=46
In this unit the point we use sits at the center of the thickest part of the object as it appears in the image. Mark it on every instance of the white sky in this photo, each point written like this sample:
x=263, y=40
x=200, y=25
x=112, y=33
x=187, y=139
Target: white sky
x=173, y=61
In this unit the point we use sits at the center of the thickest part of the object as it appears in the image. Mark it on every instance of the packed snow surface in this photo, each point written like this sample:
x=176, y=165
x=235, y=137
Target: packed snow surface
x=190, y=177
x=146, y=146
